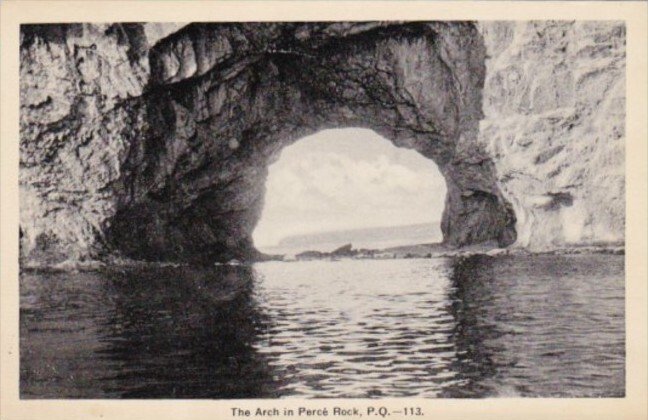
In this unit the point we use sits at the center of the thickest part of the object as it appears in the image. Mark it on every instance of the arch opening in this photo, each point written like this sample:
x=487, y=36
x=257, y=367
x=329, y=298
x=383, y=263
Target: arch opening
x=349, y=185
x=193, y=186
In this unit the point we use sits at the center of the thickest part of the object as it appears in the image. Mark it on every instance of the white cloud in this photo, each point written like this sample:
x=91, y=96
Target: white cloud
x=351, y=178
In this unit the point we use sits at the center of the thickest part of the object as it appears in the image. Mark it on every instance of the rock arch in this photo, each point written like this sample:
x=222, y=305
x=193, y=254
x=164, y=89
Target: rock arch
x=224, y=100
x=171, y=141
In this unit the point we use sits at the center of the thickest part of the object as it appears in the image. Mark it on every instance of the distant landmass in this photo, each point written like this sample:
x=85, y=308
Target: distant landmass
x=375, y=238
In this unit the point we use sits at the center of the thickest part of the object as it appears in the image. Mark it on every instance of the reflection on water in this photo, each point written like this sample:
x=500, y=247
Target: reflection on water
x=475, y=327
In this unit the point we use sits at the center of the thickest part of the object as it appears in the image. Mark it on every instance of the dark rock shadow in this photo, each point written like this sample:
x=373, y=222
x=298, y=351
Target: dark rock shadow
x=186, y=333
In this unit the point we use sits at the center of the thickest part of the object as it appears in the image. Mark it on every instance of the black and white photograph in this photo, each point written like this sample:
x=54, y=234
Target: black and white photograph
x=307, y=209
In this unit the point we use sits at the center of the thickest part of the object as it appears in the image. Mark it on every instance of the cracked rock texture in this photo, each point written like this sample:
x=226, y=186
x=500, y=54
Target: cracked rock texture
x=554, y=107
x=152, y=141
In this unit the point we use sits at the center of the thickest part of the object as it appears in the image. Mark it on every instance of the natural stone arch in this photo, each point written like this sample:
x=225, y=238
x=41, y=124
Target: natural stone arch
x=223, y=100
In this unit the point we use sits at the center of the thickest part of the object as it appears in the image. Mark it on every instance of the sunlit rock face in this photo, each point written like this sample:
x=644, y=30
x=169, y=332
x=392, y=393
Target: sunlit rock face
x=554, y=105
x=79, y=118
x=153, y=141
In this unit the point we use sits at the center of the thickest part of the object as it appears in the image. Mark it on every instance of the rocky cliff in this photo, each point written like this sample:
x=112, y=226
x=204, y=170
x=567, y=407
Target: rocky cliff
x=554, y=106
x=153, y=141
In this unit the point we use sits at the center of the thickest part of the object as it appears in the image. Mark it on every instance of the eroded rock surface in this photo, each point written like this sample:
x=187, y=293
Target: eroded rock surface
x=554, y=105
x=156, y=147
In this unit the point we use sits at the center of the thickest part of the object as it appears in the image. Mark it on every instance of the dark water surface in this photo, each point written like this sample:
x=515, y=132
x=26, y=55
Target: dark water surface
x=474, y=327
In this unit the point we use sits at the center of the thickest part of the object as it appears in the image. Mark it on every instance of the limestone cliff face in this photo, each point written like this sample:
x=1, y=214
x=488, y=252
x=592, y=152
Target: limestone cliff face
x=76, y=128
x=554, y=108
x=153, y=141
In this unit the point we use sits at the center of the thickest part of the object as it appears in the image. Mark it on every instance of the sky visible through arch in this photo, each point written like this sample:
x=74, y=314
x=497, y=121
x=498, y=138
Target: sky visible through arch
x=343, y=179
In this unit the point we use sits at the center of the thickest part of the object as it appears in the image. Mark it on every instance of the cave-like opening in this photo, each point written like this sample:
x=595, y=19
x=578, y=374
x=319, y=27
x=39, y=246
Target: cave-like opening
x=349, y=185
x=192, y=187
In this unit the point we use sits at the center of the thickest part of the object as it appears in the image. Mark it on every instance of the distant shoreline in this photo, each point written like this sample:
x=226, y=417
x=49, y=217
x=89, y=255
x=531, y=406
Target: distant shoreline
x=380, y=237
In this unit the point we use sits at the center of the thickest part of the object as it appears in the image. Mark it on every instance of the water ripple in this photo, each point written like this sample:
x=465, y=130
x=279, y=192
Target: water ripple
x=476, y=327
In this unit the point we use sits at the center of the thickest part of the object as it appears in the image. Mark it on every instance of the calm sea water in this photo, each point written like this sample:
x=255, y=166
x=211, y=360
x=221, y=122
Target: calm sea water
x=535, y=326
